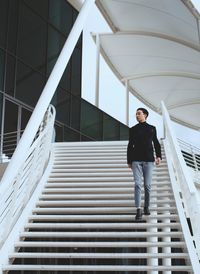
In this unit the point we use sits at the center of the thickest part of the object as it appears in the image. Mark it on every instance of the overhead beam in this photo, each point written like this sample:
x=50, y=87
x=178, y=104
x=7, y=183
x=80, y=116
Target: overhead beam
x=163, y=73
x=167, y=37
x=194, y=101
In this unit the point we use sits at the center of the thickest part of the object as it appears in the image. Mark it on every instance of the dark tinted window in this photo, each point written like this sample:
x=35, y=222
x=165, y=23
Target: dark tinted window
x=61, y=101
x=1, y=69
x=39, y=6
x=25, y=116
x=13, y=25
x=91, y=121
x=10, y=75
x=76, y=72
x=75, y=112
x=32, y=39
x=29, y=84
x=55, y=45
x=1, y=106
x=3, y=21
x=71, y=135
x=124, y=132
x=59, y=133
x=110, y=128
x=61, y=15
x=11, y=117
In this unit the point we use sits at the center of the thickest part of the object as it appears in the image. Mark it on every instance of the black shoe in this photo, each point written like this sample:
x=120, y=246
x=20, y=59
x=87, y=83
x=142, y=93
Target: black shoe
x=138, y=216
x=146, y=211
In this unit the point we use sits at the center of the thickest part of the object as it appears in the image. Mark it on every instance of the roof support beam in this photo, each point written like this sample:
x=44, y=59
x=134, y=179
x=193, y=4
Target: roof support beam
x=194, y=101
x=162, y=73
x=159, y=35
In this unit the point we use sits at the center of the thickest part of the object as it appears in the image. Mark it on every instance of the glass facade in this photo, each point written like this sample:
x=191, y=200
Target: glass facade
x=32, y=34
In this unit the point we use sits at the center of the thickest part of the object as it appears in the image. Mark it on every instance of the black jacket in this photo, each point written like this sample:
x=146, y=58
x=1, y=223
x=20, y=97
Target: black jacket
x=142, y=137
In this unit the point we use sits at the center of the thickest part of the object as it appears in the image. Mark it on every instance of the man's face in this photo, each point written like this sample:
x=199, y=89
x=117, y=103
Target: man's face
x=140, y=116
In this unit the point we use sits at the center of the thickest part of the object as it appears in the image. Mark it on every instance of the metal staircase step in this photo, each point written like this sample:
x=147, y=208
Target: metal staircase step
x=97, y=203
x=66, y=197
x=52, y=184
x=100, y=217
x=97, y=255
x=100, y=234
x=177, y=244
x=102, y=179
x=114, y=226
x=95, y=268
x=85, y=210
x=96, y=190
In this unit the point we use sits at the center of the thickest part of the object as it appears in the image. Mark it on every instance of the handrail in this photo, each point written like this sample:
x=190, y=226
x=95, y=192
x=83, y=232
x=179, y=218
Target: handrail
x=22, y=154
x=9, y=141
x=16, y=193
x=47, y=94
x=184, y=182
x=191, y=154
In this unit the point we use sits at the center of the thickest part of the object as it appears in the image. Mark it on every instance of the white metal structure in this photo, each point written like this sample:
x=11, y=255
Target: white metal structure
x=83, y=200
x=182, y=180
x=191, y=155
x=155, y=50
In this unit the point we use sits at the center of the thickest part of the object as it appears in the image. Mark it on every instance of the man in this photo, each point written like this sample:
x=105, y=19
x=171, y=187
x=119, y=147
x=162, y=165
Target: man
x=140, y=158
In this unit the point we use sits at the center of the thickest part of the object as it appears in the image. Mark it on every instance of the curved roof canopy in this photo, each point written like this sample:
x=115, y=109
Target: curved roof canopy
x=155, y=46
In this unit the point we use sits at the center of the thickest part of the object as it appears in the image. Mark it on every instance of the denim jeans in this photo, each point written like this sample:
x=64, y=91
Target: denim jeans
x=142, y=170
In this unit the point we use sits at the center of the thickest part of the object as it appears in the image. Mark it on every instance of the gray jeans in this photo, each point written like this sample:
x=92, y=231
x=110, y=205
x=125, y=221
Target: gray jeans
x=142, y=170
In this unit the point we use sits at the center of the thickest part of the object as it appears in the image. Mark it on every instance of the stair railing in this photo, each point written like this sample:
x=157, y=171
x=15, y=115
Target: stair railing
x=191, y=155
x=9, y=142
x=183, y=184
x=16, y=193
x=14, y=169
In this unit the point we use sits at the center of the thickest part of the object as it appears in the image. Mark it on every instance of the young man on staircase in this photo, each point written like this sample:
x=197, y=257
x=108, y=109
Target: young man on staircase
x=140, y=158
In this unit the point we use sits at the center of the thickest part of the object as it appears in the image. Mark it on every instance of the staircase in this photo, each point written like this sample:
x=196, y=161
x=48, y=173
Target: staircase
x=84, y=220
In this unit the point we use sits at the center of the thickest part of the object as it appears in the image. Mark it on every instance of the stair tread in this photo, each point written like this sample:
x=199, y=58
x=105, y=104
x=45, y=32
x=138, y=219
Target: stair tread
x=101, y=225
x=96, y=255
x=96, y=267
x=98, y=244
x=99, y=234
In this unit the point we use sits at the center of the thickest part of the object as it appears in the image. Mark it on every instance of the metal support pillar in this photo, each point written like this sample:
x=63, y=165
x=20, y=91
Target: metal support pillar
x=153, y=250
x=97, y=70
x=127, y=103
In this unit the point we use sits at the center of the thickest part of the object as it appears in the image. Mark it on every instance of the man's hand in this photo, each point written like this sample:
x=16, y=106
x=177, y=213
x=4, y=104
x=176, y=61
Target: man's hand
x=130, y=166
x=157, y=161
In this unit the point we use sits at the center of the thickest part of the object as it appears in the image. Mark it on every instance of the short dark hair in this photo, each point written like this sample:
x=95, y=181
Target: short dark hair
x=144, y=110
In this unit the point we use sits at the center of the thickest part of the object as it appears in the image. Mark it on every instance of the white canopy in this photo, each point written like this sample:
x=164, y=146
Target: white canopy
x=155, y=46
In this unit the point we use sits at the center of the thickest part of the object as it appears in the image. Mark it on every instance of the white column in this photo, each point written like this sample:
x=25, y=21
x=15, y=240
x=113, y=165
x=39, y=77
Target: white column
x=153, y=250
x=127, y=103
x=97, y=70
x=167, y=239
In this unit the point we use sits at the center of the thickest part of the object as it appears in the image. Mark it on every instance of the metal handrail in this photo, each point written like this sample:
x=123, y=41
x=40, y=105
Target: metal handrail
x=191, y=154
x=10, y=141
x=184, y=186
x=16, y=193
x=35, y=134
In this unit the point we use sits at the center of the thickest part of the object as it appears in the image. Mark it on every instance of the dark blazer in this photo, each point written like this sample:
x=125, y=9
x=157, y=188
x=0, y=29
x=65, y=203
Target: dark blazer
x=142, y=138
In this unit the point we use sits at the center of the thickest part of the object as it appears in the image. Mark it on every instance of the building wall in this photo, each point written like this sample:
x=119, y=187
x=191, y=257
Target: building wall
x=32, y=34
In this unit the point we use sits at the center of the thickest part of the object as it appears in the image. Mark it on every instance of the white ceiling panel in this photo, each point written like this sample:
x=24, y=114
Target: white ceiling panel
x=156, y=47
